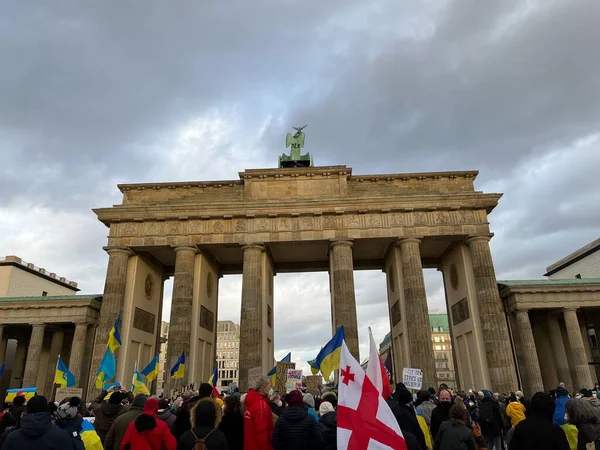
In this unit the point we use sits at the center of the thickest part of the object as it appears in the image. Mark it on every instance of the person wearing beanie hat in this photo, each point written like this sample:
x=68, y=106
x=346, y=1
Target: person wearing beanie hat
x=585, y=393
x=295, y=428
x=105, y=412
x=148, y=432
x=309, y=405
x=328, y=425
x=490, y=420
x=562, y=397
x=426, y=405
x=119, y=427
x=37, y=430
x=330, y=397
x=401, y=405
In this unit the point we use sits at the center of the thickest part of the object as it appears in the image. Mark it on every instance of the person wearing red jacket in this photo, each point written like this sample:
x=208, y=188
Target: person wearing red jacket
x=258, y=417
x=148, y=432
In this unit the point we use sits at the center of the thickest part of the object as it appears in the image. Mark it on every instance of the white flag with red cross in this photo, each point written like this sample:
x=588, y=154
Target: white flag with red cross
x=376, y=370
x=365, y=421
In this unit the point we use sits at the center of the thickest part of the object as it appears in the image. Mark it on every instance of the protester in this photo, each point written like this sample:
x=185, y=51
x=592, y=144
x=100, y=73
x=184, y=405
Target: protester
x=328, y=395
x=584, y=416
x=165, y=414
x=205, y=417
x=276, y=404
x=296, y=429
x=182, y=420
x=309, y=405
x=490, y=421
x=401, y=406
x=562, y=397
x=12, y=417
x=537, y=431
x=67, y=418
x=453, y=434
x=258, y=420
x=441, y=412
x=119, y=427
x=515, y=410
x=232, y=423
x=425, y=405
x=107, y=411
x=37, y=431
x=328, y=425
x=147, y=432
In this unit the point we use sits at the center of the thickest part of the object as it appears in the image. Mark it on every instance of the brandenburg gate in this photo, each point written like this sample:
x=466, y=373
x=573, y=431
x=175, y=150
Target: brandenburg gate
x=294, y=219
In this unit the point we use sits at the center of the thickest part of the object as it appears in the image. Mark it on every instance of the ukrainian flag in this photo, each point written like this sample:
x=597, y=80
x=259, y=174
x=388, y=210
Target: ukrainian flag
x=151, y=370
x=63, y=376
x=273, y=372
x=213, y=381
x=178, y=370
x=90, y=438
x=108, y=365
x=328, y=358
x=138, y=386
x=28, y=393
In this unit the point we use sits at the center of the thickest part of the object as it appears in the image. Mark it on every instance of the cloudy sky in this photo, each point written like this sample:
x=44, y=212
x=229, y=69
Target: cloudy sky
x=97, y=93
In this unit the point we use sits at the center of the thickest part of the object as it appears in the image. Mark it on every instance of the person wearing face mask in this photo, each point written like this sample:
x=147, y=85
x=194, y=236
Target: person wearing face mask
x=258, y=417
x=441, y=412
x=275, y=402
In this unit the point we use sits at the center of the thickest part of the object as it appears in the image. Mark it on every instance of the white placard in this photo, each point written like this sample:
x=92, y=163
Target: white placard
x=62, y=393
x=412, y=378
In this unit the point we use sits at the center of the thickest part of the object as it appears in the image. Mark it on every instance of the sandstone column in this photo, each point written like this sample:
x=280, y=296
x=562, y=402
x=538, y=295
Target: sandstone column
x=2, y=344
x=494, y=329
x=180, y=328
x=417, y=313
x=558, y=349
x=532, y=375
x=582, y=370
x=251, y=316
x=56, y=344
x=342, y=292
x=112, y=302
x=77, y=351
x=32, y=363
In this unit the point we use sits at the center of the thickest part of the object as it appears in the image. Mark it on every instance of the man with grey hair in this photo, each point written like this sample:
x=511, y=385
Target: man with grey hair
x=258, y=418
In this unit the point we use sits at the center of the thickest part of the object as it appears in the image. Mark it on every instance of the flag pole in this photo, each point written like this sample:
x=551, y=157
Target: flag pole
x=54, y=381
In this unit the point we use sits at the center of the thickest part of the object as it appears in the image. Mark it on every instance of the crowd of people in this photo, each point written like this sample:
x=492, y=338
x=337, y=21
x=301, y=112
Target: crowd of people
x=265, y=420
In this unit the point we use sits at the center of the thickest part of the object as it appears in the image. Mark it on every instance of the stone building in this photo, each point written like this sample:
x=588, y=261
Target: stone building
x=442, y=350
x=162, y=358
x=228, y=356
x=582, y=263
x=40, y=319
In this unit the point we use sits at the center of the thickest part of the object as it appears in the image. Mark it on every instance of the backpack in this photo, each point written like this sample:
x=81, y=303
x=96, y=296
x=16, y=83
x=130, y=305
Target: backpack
x=200, y=443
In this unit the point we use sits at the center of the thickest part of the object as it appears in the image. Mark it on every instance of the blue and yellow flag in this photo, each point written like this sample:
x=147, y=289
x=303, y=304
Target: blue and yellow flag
x=90, y=438
x=178, y=370
x=63, y=376
x=2, y=368
x=214, y=377
x=108, y=366
x=273, y=372
x=28, y=393
x=151, y=370
x=328, y=358
x=137, y=385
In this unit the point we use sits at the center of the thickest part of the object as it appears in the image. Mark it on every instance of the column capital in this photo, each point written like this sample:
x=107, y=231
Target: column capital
x=409, y=240
x=344, y=242
x=39, y=325
x=485, y=238
x=111, y=250
x=81, y=322
x=191, y=248
x=571, y=308
x=255, y=246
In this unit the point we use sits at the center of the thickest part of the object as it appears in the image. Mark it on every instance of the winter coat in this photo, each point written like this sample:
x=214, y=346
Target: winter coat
x=232, y=426
x=328, y=429
x=11, y=417
x=454, y=437
x=439, y=415
x=214, y=441
x=490, y=419
x=296, y=430
x=426, y=410
x=411, y=441
x=117, y=430
x=515, y=411
x=38, y=433
x=73, y=427
x=148, y=433
x=275, y=408
x=105, y=414
x=587, y=432
x=168, y=417
x=536, y=433
x=407, y=419
x=311, y=412
x=182, y=417
x=258, y=422
x=559, y=412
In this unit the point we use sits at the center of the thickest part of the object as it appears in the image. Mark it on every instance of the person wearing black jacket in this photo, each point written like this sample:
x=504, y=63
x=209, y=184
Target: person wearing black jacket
x=205, y=418
x=441, y=412
x=182, y=420
x=490, y=421
x=13, y=416
x=401, y=406
x=296, y=429
x=232, y=423
x=328, y=425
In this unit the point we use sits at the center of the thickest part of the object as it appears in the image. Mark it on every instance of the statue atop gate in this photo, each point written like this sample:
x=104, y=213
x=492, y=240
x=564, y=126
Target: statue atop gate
x=296, y=142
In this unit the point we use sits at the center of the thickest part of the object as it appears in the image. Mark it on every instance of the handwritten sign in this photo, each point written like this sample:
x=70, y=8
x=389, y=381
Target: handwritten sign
x=62, y=393
x=281, y=377
x=253, y=376
x=412, y=378
x=294, y=380
x=314, y=384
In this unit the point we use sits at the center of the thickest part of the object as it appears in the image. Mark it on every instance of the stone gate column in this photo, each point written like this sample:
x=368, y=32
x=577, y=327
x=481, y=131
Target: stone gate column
x=496, y=339
x=532, y=375
x=2, y=344
x=77, y=351
x=251, y=318
x=112, y=302
x=558, y=350
x=58, y=336
x=180, y=323
x=32, y=363
x=417, y=313
x=342, y=292
x=582, y=371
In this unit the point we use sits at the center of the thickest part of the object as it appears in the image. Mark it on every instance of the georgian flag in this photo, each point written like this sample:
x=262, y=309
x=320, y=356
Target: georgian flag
x=365, y=421
x=376, y=370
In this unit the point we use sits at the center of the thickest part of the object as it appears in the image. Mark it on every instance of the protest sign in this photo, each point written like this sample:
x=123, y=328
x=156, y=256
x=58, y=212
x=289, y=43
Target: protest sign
x=62, y=393
x=281, y=376
x=314, y=384
x=294, y=380
x=253, y=376
x=412, y=378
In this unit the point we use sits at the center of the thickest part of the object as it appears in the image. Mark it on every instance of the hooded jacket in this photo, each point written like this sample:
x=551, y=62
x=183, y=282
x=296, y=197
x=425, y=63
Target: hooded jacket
x=105, y=413
x=148, y=433
x=203, y=427
x=515, y=411
x=73, y=426
x=119, y=427
x=296, y=429
x=562, y=397
x=168, y=417
x=584, y=416
x=328, y=429
x=38, y=433
x=490, y=419
x=232, y=426
x=454, y=436
x=258, y=422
